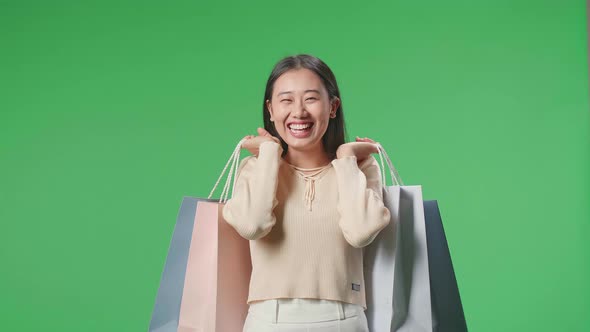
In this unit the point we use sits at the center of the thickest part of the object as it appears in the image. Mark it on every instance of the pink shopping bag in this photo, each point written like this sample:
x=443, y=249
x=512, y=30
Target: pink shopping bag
x=217, y=275
x=204, y=285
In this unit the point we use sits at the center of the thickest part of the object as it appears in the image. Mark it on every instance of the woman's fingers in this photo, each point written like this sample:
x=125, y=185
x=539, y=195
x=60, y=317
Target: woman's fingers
x=372, y=146
x=365, y=139
x=252, y=142
x=263, y=132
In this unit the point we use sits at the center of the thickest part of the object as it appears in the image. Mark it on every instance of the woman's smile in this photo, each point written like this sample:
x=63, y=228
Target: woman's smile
x=300, y=129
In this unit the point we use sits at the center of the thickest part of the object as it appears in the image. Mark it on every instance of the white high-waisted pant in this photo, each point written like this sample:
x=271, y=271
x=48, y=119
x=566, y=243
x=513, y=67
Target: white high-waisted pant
x=305, y=315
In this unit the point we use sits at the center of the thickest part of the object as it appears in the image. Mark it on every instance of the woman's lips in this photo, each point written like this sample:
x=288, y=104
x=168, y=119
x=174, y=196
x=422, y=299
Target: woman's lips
x=300, y=130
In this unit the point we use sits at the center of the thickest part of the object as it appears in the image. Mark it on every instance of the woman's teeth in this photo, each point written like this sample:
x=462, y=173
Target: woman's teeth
x=300, y=130
x=300, y=126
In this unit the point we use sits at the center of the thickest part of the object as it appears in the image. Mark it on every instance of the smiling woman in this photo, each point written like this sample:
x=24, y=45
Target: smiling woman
x=305, y=88
x=309, y=203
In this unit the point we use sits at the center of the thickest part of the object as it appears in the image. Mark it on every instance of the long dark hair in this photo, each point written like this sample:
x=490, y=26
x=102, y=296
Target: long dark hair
x=335, y=134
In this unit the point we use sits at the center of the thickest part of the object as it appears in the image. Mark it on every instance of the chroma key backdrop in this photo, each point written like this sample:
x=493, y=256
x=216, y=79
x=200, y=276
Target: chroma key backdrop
x=112, y=111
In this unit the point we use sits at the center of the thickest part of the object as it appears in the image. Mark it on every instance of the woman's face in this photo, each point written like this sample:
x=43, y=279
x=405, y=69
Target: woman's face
x=301, y=109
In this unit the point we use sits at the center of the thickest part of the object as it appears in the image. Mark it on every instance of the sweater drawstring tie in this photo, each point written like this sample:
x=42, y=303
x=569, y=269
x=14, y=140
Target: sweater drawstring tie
x=310, y=179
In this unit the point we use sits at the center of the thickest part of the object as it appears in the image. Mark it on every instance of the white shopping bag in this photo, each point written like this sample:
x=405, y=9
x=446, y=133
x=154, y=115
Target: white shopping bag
x=396, y=263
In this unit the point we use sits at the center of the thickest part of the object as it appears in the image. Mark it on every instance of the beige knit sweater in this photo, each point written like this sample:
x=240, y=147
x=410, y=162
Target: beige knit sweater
x=307, y=235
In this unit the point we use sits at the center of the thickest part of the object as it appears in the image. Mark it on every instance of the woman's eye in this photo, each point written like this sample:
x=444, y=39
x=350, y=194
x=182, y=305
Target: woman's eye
x=286, y=100
x=311, y=98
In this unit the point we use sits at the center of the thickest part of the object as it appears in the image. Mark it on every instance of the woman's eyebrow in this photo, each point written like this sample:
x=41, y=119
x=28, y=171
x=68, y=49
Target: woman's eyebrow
x=308, y=90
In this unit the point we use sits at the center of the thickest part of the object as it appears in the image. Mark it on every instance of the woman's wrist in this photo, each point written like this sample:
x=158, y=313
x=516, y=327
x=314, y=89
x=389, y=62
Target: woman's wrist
x=344, y=152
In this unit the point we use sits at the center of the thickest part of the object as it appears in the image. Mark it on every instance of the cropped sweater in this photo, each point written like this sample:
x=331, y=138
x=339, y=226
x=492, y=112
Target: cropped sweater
x=307, y=234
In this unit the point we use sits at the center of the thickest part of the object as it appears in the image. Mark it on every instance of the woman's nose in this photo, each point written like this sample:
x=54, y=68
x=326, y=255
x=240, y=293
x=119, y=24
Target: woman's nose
x=300, y=109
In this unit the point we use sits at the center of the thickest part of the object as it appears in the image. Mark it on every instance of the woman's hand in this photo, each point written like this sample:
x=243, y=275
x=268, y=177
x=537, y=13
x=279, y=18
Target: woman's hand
x=252, y=143
x=361, y=149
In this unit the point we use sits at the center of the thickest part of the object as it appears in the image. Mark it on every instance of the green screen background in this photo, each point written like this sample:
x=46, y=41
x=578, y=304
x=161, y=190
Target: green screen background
x=111, y=112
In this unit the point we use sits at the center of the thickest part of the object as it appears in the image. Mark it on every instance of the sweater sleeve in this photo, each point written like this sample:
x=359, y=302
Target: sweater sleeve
x=250, y=209
x=360, y=200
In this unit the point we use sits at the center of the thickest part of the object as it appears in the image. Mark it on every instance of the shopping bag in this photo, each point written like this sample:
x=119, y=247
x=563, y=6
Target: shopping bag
x=448, y=313
x=397, y=264
x=204, y=285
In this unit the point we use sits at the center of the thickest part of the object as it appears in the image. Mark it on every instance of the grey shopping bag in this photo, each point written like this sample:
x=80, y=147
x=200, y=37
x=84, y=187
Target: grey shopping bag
x=448, y=313
x=165, y=315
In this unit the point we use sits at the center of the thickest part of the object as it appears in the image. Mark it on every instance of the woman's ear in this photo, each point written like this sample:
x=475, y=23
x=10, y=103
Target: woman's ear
x=335, y=103
x=269, y=108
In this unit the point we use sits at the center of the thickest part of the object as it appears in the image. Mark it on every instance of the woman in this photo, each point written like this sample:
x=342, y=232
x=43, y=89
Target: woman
x=309, y=203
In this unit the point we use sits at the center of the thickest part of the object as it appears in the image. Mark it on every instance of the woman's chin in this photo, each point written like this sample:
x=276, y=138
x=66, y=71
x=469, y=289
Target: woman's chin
x=301, y=143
